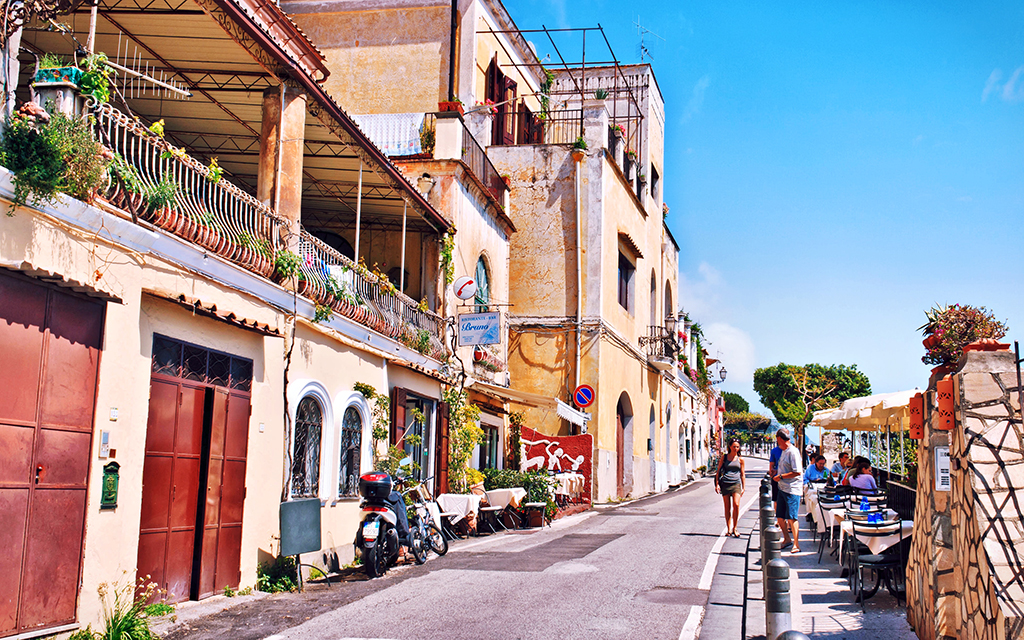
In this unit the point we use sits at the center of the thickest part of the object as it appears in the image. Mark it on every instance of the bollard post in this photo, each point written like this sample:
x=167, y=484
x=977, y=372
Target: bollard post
x=772, y=551
x=792, y=634
x=778, y=611
x=767, y=518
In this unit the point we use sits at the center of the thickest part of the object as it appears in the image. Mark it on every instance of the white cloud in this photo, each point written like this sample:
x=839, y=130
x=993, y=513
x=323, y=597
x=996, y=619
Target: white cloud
x=700, y=296
x=697, y=99
x=735, y=348
x=1012, y=91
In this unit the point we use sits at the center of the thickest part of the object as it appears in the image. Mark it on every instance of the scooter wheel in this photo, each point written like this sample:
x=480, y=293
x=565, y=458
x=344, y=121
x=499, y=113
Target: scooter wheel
x=375, y=561
x=418, y=546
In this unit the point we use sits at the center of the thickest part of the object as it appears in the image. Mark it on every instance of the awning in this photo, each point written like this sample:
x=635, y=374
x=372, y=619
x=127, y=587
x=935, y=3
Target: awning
x=60, y=280
x=868, y=413
x=576, y=417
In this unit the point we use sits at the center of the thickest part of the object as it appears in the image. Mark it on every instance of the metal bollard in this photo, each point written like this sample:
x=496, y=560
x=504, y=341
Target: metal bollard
x=792, y=635
x=778, y=611
x=772, y=551
x=767, y=520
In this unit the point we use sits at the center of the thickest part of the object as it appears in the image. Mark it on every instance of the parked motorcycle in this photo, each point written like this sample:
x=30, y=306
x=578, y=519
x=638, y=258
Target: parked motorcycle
x=384, y=528
x=422, y=518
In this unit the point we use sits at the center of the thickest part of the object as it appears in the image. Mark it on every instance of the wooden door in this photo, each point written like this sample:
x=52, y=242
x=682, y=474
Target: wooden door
x=223, y=479
x=170, y=484
x=51, y=343
x=620, y=460
x=507, y=111
x=441, y=451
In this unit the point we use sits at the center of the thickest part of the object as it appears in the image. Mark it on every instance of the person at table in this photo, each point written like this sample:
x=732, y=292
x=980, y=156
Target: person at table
x=788, y=473
x=862, y=478
x=817, y=471
x=844, y=479
x=729, y=483
x=840, y=466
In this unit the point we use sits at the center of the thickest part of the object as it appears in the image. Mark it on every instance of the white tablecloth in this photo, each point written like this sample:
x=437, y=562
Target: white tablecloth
x=569, y=483
x=461, y=504
x=503, y=497
x=877, y=544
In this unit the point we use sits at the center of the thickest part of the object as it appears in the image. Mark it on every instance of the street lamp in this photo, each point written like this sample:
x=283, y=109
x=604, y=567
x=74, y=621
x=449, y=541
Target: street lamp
x=722, y=372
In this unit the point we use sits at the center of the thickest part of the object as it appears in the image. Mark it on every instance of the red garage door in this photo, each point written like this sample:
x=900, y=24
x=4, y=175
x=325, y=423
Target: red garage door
x=193, y=482
x=50, y=341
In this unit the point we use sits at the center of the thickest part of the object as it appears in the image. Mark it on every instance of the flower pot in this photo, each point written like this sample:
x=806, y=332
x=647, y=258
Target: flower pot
x=59, y=74
x=451, y=105
x=987, y=344
x=578, y=154
x=931, y=341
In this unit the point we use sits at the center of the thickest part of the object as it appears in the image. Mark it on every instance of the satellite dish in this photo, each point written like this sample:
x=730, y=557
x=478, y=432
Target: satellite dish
x=464, y=288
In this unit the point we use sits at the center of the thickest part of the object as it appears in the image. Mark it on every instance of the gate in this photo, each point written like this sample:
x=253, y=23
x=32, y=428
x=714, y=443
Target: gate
x=193, y=482
x=50, y=341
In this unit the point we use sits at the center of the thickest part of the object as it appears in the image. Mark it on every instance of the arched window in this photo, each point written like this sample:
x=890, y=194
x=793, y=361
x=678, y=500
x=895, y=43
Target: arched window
x=351, y=445
x=483, y=284
x=309, y=425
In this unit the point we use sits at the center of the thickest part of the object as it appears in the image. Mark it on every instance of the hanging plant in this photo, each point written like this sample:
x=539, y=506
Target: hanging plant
x=447, y=264
x=95, y=81
x=951, y=328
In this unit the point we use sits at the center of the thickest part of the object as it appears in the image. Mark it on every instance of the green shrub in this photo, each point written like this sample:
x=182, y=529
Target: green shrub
x=158, y=609
x=277, y=576
x=124, y=617
x=538, y=484
x=83, y=634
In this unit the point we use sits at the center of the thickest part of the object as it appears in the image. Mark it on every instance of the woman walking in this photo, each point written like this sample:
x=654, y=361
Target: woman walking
x=729, y=483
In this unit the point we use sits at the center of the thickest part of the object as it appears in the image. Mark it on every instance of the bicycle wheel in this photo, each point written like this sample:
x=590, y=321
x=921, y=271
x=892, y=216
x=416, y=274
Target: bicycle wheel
x=438, y=543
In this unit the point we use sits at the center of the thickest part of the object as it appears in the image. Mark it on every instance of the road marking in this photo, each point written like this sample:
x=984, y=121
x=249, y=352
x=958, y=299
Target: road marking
x=712, y=563
x=692, y=623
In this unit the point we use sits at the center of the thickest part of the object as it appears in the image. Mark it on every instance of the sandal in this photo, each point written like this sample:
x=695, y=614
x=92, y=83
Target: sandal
x=786, y=545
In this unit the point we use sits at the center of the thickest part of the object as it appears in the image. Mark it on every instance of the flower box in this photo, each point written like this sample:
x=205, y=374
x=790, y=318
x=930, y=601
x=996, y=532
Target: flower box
x=451, y=105
x=59, y=74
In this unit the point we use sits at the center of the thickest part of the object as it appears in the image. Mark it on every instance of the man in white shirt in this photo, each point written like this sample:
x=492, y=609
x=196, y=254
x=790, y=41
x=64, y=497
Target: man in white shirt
x=788, y=474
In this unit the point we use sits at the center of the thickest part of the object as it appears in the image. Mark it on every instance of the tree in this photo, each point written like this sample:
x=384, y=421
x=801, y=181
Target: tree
x=793, y=393
x=734, y=402
x=744, y=420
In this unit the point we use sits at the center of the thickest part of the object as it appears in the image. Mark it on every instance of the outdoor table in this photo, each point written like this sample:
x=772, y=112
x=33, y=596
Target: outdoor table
x=505, y=497
x=461, y=504
x=568, y=484
x=876, y=544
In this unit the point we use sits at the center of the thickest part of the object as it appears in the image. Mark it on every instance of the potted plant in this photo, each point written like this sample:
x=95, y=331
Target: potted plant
x=951, y=328
x=54, y=68
x=451, y=104
x=161, y=199
x=579, y=149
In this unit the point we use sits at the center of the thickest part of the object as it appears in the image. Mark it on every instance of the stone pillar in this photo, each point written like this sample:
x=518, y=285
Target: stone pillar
x=448, y=132
x=595, y=124
x=282, y=140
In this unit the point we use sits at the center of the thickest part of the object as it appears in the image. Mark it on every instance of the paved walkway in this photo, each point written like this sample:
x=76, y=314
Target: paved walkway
x=823, y=605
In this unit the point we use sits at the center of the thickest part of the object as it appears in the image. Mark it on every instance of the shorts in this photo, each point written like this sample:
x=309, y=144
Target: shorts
x=775, y=491
x=788, y=506
x=730, y=488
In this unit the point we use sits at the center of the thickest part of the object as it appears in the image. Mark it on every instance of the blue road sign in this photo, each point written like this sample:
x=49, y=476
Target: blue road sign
x=584, y=396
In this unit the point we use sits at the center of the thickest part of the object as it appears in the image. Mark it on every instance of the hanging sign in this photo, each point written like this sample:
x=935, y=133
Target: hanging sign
x=464, y=288
x=479, y=328
x=583, y=396
x=942, y=482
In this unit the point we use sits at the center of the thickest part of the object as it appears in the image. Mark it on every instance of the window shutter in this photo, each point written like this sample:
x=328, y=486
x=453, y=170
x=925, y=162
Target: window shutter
x=441, y=449
x=398, y=396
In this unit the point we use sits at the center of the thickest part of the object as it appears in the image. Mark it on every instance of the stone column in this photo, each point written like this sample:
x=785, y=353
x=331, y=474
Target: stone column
x=282, y=140
x=448, y=132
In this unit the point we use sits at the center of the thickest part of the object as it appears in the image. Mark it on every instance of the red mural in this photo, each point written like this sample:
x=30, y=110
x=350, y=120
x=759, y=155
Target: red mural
x=559, y=454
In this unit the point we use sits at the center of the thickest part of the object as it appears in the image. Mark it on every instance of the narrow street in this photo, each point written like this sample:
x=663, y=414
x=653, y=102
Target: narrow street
x=632, y=571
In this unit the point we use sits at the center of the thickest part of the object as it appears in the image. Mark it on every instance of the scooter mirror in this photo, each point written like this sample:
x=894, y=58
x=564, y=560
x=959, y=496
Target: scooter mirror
x=405, y=462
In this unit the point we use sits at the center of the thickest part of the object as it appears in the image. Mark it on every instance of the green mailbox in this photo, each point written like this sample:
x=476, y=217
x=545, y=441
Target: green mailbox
x=108, y=498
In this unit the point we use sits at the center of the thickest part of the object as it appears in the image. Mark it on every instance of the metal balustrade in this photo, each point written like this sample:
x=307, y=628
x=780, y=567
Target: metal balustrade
x=475, y=156
x=206, y=209
x=332, y=279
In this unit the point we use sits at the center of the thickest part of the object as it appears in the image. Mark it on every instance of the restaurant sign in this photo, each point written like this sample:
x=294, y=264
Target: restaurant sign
x=479, y=328
x=942, y=482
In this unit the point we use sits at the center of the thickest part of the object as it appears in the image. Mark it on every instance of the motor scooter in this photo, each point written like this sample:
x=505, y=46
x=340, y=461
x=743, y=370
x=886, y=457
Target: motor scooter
x=384, y=527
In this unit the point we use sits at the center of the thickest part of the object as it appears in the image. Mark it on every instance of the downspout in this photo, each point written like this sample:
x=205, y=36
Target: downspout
x=452, y=45
x=578, y=157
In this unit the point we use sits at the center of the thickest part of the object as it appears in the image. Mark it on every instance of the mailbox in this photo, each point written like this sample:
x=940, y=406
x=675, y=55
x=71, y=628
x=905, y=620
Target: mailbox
x=111, y=476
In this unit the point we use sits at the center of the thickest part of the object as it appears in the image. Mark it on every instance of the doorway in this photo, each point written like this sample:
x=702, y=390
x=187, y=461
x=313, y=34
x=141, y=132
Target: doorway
x=51, y=342
x=624, y=446
x=193, y=480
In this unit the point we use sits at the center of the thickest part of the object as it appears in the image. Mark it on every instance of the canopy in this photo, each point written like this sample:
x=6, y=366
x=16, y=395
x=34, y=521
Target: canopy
x=867, y=413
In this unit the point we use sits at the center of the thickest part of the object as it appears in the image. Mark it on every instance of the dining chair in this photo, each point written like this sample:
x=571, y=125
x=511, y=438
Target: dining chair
x=825, y=504
x=888, y=564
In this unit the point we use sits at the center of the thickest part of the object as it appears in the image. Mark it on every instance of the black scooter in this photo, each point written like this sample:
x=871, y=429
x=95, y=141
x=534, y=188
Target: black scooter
x=384, y=528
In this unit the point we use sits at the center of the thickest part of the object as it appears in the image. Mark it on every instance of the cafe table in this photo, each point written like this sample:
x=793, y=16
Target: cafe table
x=876, y=544
x=505, y=497
x=459, y=504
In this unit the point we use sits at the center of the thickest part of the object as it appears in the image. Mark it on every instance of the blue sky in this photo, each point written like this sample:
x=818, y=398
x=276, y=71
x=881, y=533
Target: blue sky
x=833, y=169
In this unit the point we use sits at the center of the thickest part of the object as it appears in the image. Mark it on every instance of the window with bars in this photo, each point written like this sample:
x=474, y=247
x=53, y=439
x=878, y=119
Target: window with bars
x=351, y=445
x=309, y=424
x=483, y=286
x=192, y=362
x=489, y=447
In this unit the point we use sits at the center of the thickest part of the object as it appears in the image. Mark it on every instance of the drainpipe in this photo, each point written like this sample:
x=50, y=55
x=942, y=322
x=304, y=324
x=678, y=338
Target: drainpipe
x=578, y=157
x=452, y=45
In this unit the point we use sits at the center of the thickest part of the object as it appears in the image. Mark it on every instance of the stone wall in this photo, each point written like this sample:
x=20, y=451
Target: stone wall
x=966, y=573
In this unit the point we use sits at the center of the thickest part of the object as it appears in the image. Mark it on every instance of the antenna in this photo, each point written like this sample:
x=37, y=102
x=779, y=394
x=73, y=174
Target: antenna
x=642, y=51
x=137, y=76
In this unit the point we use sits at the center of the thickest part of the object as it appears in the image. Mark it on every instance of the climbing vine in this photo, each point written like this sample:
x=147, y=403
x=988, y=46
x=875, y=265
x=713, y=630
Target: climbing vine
x=464, y=434
x=447, y=264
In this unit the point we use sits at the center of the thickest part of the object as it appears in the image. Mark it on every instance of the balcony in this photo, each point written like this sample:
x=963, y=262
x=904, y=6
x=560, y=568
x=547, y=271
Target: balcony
x=168, y=188
x=662, y=348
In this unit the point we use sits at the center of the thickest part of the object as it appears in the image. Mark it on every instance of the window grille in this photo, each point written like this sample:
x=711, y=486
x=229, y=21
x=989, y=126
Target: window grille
x=309, y=422
x=184, y=360
x=351, y=445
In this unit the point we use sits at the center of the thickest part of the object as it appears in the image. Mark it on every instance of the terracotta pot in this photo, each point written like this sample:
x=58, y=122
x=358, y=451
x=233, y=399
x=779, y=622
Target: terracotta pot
x=943, y=370
x=987, y=344
x=931, y=341
x=451, y=106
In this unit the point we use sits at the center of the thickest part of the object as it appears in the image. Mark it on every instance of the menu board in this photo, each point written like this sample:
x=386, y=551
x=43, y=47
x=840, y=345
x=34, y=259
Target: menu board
x=942, y=469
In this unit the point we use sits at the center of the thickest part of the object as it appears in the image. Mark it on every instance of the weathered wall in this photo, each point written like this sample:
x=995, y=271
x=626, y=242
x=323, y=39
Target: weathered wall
x=965, y=568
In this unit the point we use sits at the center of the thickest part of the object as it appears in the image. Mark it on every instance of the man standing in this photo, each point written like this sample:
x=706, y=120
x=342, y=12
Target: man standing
x=788, y=472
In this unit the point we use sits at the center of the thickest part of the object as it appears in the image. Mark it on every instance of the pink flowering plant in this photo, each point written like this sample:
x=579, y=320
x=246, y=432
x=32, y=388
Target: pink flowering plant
x=953, y=327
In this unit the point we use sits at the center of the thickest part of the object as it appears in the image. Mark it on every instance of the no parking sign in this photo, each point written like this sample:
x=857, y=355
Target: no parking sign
x=583, y=396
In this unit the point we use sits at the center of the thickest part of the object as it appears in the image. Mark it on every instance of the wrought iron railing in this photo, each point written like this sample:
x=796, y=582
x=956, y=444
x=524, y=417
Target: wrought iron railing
x=475, y=156
x=902, y=499
x=164, y=185
x=562, y=126
x=333, y=280
x=661, y=343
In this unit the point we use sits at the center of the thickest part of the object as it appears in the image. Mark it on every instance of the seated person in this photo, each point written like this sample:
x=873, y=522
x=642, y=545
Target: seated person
x=861, y=477
x=840, y=466
x=816, y=472
x=848, y=473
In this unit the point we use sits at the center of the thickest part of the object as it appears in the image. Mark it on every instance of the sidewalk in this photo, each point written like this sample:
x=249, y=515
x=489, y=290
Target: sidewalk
x=822, y=603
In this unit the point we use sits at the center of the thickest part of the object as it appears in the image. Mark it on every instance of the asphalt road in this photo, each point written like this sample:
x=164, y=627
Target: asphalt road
x=630, y=571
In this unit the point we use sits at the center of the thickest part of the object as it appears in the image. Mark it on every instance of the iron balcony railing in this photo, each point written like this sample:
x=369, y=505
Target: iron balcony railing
x=476, y=158
x=661, y=345
x=518, y=126
x=333, y=280
x=178, y=193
